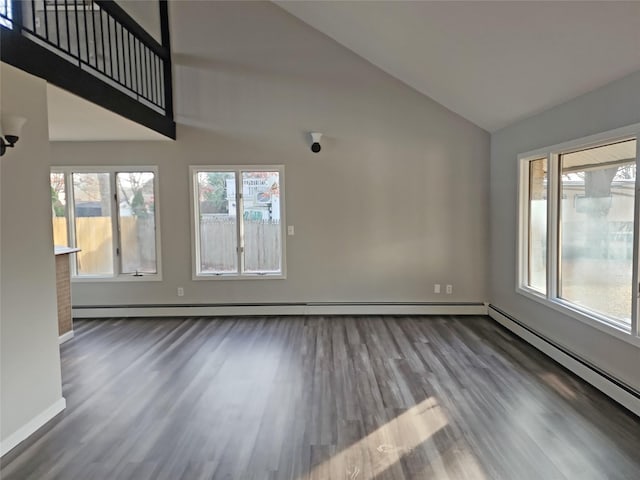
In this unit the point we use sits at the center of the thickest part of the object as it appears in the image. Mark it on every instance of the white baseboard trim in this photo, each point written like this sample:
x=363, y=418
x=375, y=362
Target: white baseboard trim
x=613, y=389
x=31, y=427
x=282, y=309
x=396, y=309
x=65, y=336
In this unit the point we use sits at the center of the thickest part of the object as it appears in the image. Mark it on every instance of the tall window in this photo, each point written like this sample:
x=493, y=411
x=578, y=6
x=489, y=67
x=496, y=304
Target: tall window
x=577, y=229
x=537, y=271
x=238, y=221
x=110, y=215
x=597, y=202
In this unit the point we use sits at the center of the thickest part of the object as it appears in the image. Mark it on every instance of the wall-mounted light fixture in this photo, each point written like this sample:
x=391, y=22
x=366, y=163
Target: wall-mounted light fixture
x=10, y=129
x=315, y=142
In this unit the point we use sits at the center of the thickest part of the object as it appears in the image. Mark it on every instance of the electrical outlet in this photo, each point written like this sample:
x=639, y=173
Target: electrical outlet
x=449, y=289
x=180, y=292
x=436, y=288
x=291, y=231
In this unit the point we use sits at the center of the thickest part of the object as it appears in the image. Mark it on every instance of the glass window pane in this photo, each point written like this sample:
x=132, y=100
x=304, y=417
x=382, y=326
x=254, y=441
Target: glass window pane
x=596, y=209
x=137, y=221
x=92, y=209
x=217, y=222
x=538, y=225
x=59, y=209
x=261, y=222
x=6, y=14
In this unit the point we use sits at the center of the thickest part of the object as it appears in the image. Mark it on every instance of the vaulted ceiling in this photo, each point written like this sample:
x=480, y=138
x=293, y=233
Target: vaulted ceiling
x=491, y=62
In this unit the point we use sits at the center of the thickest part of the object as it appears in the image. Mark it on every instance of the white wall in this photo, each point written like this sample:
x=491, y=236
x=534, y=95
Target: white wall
x=395, y=202
x=612, y=106
x=29, y=359
x=146, y=13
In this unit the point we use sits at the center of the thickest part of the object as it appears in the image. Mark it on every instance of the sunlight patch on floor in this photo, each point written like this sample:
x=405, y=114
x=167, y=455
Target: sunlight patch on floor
x=560, y=386
x=383, y=448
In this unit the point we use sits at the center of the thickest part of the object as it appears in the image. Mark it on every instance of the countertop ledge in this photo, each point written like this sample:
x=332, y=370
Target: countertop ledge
x=60, y=250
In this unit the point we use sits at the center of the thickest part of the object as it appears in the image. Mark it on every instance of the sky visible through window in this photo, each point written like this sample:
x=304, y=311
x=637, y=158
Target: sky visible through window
x=5, y=13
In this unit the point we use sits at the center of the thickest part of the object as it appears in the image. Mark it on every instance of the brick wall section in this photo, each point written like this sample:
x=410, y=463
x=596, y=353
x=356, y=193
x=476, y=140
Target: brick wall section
x=63, y=287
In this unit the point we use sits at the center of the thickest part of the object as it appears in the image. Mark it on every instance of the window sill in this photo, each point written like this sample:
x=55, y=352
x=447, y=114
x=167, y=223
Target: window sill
x=561, y=306
x=118, y=278
x=234, y=276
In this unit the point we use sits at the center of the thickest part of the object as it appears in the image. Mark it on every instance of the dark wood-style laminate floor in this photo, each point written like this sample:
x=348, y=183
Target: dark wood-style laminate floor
x=354, y=398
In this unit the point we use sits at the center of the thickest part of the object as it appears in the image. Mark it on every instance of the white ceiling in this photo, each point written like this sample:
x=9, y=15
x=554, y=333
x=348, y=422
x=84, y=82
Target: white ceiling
x=72, y=118
x=491, y=62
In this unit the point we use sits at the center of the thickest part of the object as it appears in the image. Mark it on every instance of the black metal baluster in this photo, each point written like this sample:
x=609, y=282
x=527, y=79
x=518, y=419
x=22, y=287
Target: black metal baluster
x=160, y=84
x=86, y=31
x=147, y=72
x=95, y=37
x=143, y=77
x=33, y=16
x=136, y=50
x=149, y=65
x=145, y=81
x=124, y=58
x=109, y=41
x=154, y=68
x=66, y=21
x=136, y=64
x=129, y=59
x=46, y=21
x=147, y=55
x=75, y=5
x=55, y=11
x=154, y=92
x=113, y=50
x=115, y=34
x=156, y=80
x=102, y=42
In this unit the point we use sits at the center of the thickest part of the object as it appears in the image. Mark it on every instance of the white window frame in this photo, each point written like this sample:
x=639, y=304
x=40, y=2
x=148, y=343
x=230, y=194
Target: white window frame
x=523, y=224
x=195, y=223
x=116, y=276
x=551, y=298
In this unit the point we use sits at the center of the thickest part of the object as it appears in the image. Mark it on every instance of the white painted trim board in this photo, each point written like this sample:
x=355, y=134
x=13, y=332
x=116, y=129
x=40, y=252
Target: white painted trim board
x=65, y=336
x=590, y=376
x=294, y=309
x=31, y=426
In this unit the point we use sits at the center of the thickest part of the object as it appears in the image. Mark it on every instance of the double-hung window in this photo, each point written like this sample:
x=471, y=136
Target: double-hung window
x=238, y=221
x=111, y=215
x=578, y=229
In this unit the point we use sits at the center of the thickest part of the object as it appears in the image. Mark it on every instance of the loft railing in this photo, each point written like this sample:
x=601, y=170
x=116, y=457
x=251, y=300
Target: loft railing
x=101, y=39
